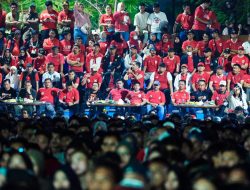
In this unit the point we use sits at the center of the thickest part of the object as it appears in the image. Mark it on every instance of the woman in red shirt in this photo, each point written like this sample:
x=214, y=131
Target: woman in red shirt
x=120, y=44
x=134, y=40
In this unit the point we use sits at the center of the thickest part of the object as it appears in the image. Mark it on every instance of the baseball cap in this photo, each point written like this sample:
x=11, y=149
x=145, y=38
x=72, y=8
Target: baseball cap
x=95, y=67
x=48, y=3
x=133, y=47
x=112, y=47
x=241, y=48
x=29, y=65
x=157, y=82
x=227, y=51
x=171, y=50
x=152, y=49
x=207, y=50
x=184, y=65
x=201, y=64
x=223, y=83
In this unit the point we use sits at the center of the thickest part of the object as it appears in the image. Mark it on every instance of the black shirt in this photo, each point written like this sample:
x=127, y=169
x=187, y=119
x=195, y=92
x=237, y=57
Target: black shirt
x=7, y=94
x=24, y=94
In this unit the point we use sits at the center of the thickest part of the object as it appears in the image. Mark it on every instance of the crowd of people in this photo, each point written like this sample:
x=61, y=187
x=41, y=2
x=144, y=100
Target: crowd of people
x=56, y=58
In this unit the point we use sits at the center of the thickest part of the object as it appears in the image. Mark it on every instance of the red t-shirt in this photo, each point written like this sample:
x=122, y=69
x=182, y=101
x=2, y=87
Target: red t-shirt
x=16, y=48
x=191, y=43
x=216, y=80
x=190, y=64
x=202, y=14
x=103, y=47
x=152, y=63
x=225, y=63
x=185, y=20
x=97, y=77
x=2, y=19
x=58, y=60
x=49, y=43
x=171, y=63
x=92, y=59
x=141, y=80
x=216, y=44
x=234, y=79
x=65, y=47
x=118, y=94
x=233, y=45
x=136, y=97
x=180, y=97
x=165, y=46
x=76, y=57
x=69, y=96
x=207, y=63
x=243, y=60
x=51, y=15
x=119, y=46
x=122, y=21
x=76, y=80
x=40, y=64
x=28, y=77
x=66, y=16
x=156, y=97
x=197, y=76
x=47, y=94
x=219, y=98
x=246, y=78
x=107, y=19
x=201, y=45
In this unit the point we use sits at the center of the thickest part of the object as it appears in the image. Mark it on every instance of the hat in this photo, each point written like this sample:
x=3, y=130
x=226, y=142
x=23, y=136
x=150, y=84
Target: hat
x=112, y=47
x=171, y=50
x=133, y=47
x=207, y=50
x=48, y=3
x=223, y=82
x=17, y=32
x=29, y=65
x=201, y=64
x=156, y=5
x=227, y=51
x=233, y=32
x=152, y=49
x=184, y=65
x=190, y=31
x=241, y=48
x=216, y=31
x=219, y=67
x=95, y=67
x=32, y=5
x=157, y=82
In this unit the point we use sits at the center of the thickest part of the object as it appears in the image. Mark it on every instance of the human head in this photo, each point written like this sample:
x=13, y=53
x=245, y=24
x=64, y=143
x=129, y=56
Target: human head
x=20, y=161
x=215, y=33
x=153, y=37
x=136, y=65
x=136, y=86
x=76, y=49
x=184, y=68
x=236, y=68
x=226, y=53
x=186, y=8
x=49, y=5
x=206, y=3
x=52, y=34
x=237, y=89
x=33, y=7
x=95, y=86
x=223, y=86
x=202, y=85
x=162, y=68
x=241, y=50
x=125, y=151
x=207, y=52
x=55, y=50
x=6, y=84
x=190, y=35
x=65, y=5
x=51, y=67
x=112, y=49
x=171, y=52
x=121, y=6
x=72, y=74
x=205, y=37
x=47, y=83
x=133, y=49
x=108, y=9
x=142, y=7
x=109, y=142
x=156, y=85
x=156, y=7
x=69, y=86
x=182, y=84
x=96, y=47
x=219, y=70
x=119, y=84
x=234, y=34
x=201, y=67
x=28, y=84
x=13, y=7
x=152, y=51
x=79, y=162
x=67, y=35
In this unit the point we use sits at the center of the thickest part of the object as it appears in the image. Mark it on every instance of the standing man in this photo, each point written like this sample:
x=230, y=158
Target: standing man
x=155, y=19
x=48, y=19
x=201, y=19
x=51, y=41
x=156, y=100
x=140, y=23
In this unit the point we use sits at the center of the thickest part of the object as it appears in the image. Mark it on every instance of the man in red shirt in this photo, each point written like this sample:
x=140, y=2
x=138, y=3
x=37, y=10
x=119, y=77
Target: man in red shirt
x=56, y=58
x=76, y=60
x=234, y=77
x=151, y=63
x=135, y=74
x=220, y=97
x=186, y=20
x=209, y=61
x=93, y=58
x=50, y=42
x=47, y=94
x=199, y=75
x=156, y=100
x=90, y=78
x=241, y=60
x=233, y=43
x=181, y=96
x=69, y=99
x=202, y=45
x=29, y=75
x=48, y=18
x=172, y=62
x=225, y=60
x=216, y=79
x=66, y=44
x=119, y=93
x=66, y=19
x=216, y=44
x=189, y=42
x=201, y=19
x=246, y=85
x=2, y=17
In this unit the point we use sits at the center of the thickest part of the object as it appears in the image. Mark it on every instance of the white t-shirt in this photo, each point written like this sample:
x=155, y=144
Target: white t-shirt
x=178, y=78
x=155, y=19
x=55, y=76
x=140, y=20
x=246, y=46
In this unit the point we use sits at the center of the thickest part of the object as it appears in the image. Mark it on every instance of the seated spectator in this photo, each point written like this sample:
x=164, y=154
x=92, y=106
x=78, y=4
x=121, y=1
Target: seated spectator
x=241, y=60
x=172, y=62
x=69, y=98
x=135, y=74
x=29, y=75
x=3, y=42
x=56, y=58
x=209, y=61
x=7, y=92
x=28, y=91
x=199, y=75
x=202, y=45
x=156, y=100
x=90, y=46
x=13, y=77
x=104, y=44
x=215, y=79
x=216, y=44
x=120, y=44
x=237, y=98
x=133, y=56
x=66, y=44
x=233, y=43
x=71, y=78
x=234, y=77
x=50, y=42
x=166, y=44
x=156, y=42
x=181, y=96
x=47, y=94
x=54, y=76
x=94, y=58
x=23, y=59
x=119, y=93
x=190, y=59
x=220, y=98
x=246, y=46
x=225, y=61
x=76, y=60
x=90, y=78
x=201, y=93
x=189, y=42
x=135, y=41
x=185, y=76
x=33, y=44
x=15, y=43
x=78, y=41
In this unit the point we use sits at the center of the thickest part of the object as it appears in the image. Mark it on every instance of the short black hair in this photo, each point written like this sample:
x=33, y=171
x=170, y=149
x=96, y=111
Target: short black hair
x=72, y=71
x=69, y=83
x=237, y=65
x=6, y=80
x=182, y=81
x=138, y=63
x=48, y=79
x=13, y=3
x=50, y=63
